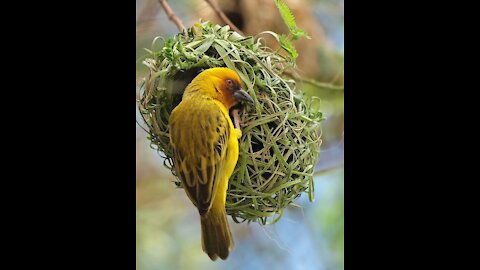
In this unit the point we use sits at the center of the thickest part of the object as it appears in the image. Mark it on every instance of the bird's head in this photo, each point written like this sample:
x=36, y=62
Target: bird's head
x=222, y=84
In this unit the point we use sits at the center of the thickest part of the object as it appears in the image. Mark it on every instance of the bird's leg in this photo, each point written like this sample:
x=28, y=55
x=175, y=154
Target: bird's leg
x=236, y=118
x=236, y=122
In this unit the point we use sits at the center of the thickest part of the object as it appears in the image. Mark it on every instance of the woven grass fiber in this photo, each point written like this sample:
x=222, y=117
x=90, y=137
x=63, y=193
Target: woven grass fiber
x=281, y=131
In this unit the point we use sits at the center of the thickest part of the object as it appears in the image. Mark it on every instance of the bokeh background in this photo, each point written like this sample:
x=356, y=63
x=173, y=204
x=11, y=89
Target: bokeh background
x=310, y=234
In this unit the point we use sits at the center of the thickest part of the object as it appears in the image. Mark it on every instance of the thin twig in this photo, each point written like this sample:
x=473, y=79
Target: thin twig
x=172, y=17
x=314, y=82
x=222, y=16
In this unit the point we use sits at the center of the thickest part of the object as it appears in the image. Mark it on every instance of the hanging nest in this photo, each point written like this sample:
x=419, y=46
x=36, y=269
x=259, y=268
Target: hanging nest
x=281, y=131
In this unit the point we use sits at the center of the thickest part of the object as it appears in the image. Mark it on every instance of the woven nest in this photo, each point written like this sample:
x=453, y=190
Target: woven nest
x=281, y=132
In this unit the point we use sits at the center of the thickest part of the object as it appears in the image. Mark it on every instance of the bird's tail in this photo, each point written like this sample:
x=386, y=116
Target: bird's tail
x=217, y=240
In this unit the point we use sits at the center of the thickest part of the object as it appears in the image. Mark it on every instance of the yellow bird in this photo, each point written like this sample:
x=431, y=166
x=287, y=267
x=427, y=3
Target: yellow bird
x=205, y=147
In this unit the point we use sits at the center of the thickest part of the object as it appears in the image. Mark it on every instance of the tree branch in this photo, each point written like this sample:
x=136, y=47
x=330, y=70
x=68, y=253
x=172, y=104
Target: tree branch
x=172, y=17
x=222, y=16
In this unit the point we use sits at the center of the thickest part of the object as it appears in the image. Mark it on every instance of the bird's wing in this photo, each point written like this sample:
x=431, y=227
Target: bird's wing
x=199, y=134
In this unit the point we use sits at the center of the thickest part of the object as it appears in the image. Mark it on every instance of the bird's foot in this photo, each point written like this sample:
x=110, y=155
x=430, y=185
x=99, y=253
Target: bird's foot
x=239, y=133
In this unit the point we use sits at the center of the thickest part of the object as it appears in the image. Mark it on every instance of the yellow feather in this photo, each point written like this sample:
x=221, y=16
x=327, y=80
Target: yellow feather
x=205, y=145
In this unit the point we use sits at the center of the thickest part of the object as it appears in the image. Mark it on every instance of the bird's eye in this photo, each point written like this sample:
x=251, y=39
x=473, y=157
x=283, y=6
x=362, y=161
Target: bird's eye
x=230, y=82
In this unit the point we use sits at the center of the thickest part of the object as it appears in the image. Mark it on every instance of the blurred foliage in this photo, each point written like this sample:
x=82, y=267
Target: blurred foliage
x=309, y=236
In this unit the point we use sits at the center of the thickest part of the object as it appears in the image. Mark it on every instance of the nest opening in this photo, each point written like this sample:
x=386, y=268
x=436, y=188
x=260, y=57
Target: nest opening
x=236, y=18
x=281, y=137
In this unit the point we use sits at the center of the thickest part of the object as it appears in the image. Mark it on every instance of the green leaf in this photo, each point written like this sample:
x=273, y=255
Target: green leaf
x=289, y=20
x=298, y=33
x=287, y=45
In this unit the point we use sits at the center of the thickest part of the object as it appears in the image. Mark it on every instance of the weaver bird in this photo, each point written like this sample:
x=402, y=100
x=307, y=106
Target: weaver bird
x=205, y=147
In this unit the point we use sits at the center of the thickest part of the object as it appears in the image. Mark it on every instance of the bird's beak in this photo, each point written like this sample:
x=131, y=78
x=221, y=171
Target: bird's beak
x=241, y=95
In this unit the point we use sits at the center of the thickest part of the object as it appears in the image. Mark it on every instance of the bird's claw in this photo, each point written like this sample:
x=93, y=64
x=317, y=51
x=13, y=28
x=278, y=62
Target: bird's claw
x=238, y=132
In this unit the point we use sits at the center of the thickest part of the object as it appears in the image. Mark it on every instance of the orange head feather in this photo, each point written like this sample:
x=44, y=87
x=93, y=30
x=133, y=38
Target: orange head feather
x=222, y=84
